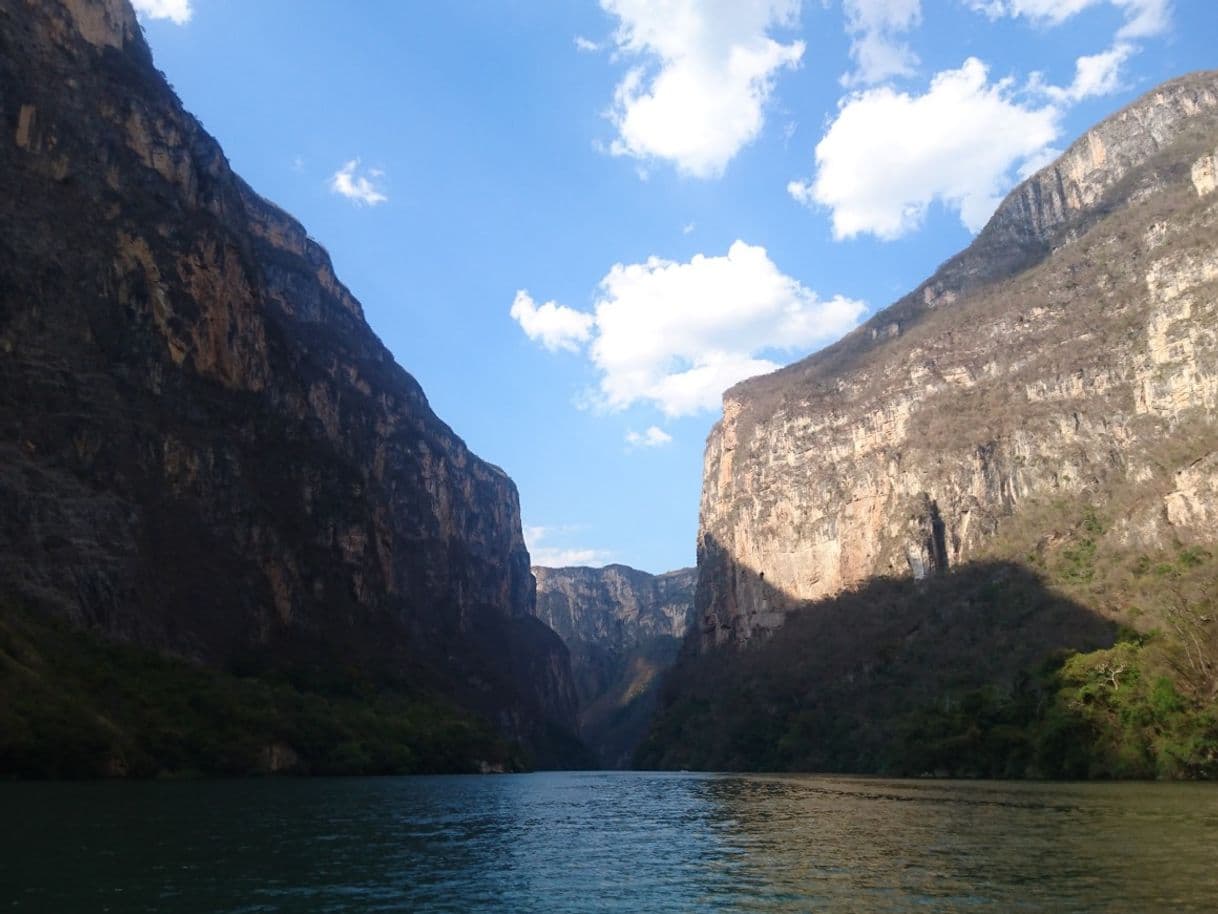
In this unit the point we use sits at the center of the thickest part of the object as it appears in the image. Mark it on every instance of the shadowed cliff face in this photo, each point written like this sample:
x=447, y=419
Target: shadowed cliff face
x=1069, y=353
x=624, y=629
x=203, y=446
x=840, y=685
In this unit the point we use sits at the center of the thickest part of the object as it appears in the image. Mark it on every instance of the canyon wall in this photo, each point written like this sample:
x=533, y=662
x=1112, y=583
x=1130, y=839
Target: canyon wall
x=624, y=629
x=1070, y=353
x=203, y=446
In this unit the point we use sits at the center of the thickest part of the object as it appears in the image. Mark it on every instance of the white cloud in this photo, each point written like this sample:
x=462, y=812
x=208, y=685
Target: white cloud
x=1143, y=18
x=688, y=228
x=553, y=325
x=358, y=188
x=1096, y=74
x=877, y=50
x=654, y=436
x=587, y=45
x=707, y=72
x=888, y=155
x=678, y=334
x=178, y=11
x=560, y=556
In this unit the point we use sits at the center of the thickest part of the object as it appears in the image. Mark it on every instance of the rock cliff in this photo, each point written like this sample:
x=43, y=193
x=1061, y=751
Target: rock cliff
x=624, y=629
x=1069, y=355
x=203, y=446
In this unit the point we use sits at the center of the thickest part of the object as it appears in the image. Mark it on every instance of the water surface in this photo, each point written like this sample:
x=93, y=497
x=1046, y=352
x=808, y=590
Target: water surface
x=628, y=842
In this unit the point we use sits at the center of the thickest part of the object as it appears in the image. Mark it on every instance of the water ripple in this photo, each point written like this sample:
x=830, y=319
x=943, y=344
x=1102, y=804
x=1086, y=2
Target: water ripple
x=608, y=842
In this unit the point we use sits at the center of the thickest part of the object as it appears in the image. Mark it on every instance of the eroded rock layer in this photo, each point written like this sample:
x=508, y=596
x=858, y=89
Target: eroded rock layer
x=1070, y=352
x=203, y=446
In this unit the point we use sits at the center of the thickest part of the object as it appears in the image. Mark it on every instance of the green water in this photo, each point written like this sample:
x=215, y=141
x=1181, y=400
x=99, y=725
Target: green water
x=607, y=842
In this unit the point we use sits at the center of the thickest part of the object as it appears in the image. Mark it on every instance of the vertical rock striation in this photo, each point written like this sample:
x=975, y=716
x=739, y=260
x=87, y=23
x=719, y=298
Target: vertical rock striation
x=624, y=629
x=203, y=446
x=1070, y=352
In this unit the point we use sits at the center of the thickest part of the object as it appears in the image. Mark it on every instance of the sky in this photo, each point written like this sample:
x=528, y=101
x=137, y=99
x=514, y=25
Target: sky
x=577, y=222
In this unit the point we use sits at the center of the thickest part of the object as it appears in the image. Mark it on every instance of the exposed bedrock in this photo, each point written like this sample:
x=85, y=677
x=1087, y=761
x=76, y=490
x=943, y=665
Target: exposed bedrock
x=1069, y=353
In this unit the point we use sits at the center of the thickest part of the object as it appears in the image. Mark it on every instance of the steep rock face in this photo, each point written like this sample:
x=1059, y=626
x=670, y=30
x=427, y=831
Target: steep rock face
x=623, y=628
x=1069, y=352
x=203, y=446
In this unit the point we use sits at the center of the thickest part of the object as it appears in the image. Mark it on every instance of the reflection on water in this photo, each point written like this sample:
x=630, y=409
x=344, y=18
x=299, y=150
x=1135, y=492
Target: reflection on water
x=608, y=842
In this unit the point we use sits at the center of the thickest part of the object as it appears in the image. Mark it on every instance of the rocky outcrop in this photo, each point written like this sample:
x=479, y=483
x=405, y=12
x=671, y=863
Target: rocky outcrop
x=624, y=629
x=1205, y=174
x=203, y=446
x=1069, y=353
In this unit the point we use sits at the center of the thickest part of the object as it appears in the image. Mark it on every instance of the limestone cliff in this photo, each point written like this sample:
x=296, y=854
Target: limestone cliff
x=203, y=446
x=623, y=628
x=1069, y=353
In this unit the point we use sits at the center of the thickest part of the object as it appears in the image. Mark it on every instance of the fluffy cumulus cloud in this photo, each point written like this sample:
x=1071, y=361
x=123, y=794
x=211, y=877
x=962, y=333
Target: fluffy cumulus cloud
x=551, y=556
x=654, y=436
x=959, y=144
x=676, y=335
x=359, y=188
x=704, y=73
x=875, y=28
x=177, y=11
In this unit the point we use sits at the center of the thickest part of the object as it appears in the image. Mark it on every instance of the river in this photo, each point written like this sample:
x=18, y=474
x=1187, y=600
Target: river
x=607, y=842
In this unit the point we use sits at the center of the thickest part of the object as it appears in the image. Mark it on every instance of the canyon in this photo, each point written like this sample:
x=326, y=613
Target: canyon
x=624, y=629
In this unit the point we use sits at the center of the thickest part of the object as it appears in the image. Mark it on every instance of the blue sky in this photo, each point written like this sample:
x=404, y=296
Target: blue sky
x=576, y=222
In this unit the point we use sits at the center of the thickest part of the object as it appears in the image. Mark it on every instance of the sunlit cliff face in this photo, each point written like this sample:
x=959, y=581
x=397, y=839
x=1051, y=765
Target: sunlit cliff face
x=1060, y=356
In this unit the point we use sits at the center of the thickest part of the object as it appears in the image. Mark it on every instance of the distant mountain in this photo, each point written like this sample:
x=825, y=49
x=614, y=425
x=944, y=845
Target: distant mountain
x=204, y=449
x=1045, y=406
x=623, y=628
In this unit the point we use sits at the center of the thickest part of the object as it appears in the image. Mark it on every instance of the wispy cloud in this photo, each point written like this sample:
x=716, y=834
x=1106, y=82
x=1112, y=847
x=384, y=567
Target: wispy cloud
x=1143, y=18
x=587, y=45
x=878, y=50
x=358, y=188
x=654, y=436
x=547, y=556
x=1094, y=74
